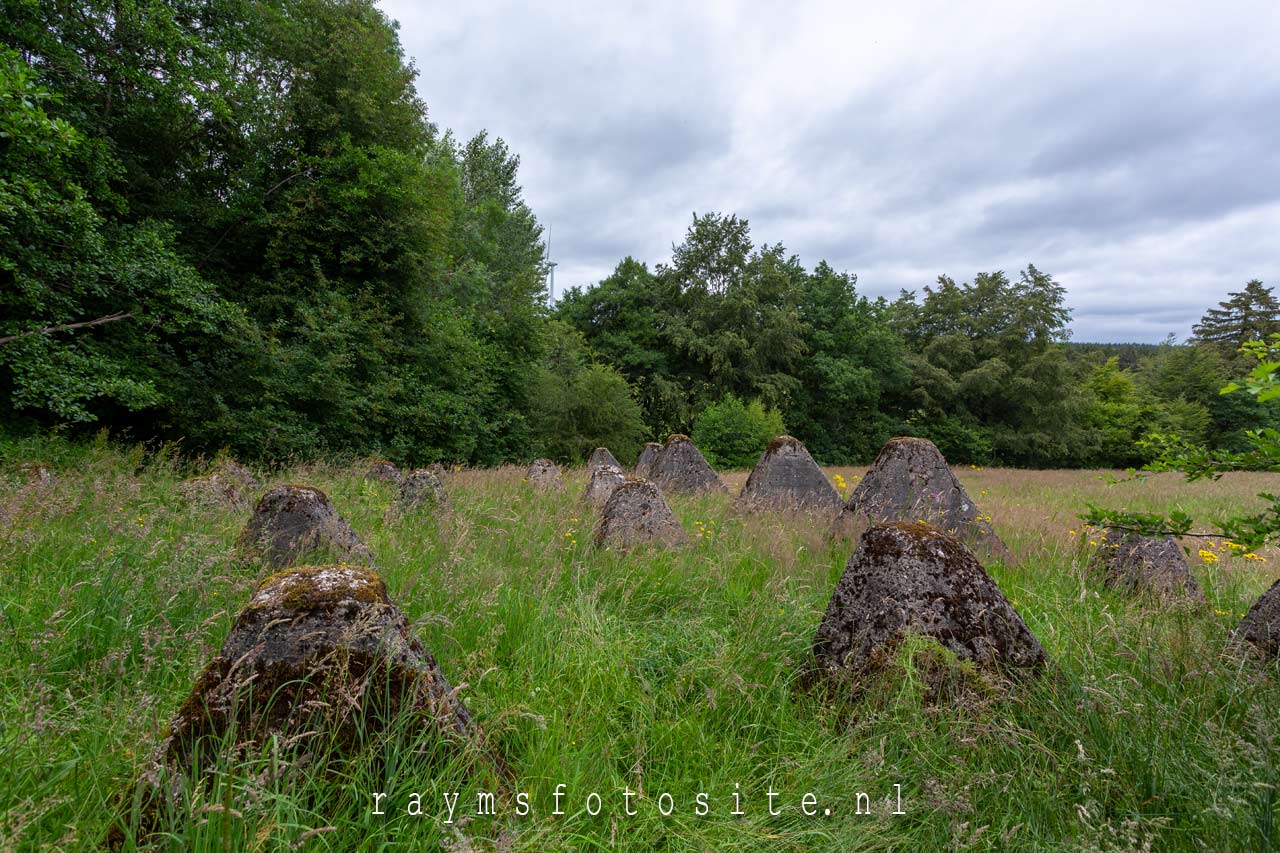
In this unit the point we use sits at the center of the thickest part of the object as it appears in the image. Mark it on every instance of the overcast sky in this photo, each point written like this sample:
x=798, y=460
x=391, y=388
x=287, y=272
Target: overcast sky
x=1131, y=150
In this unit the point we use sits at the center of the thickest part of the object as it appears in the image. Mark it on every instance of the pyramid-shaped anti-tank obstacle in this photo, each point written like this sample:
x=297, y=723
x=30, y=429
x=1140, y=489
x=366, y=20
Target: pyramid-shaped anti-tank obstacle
x=421, y=488
x=1146, y=564
x=601, y=457
x=384, y=471
x=909, y=578
x=289, y=522
x=308, y=635
x=1260, y=627
x=645, y=462
x=682, y=469
x=544, y=475
x=604, y=481
x=787, y=478
x=911, y=481
x=637, y=514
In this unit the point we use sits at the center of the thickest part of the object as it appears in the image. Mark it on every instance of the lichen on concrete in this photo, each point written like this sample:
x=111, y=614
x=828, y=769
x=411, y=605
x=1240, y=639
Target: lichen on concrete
x=293, y=521
x=1153, y=565
x=787, y=478
x=1260, y=628
x=544, y=476
x=422, y=488
x=384, y=471
x=682, y=469
x=604, y=480
x=644, y=463
x=602, y=457
x=637, y=514
x=910, y=481
x=319, y=658
x=909, y=578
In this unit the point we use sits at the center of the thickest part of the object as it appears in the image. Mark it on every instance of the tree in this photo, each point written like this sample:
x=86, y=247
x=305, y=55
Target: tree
x=733, y=434
x=854, y=376
x=580, y=405
x=992, y=383
x=713, y=255
x=1252, y=314
x=250, y=234
x=1197, y=463
x=1116, y=412
x=627, y=319
x=88, y=298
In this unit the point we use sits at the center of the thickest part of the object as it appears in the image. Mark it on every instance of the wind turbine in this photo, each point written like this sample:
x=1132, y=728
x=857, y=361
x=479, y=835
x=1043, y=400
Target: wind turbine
x=551, y=272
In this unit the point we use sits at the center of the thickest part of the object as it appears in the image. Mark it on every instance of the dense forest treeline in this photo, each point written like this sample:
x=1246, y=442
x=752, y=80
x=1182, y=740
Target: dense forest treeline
x=231, y=223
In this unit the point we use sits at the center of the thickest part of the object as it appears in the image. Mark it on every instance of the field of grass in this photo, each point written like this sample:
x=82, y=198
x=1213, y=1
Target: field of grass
x=658, y=672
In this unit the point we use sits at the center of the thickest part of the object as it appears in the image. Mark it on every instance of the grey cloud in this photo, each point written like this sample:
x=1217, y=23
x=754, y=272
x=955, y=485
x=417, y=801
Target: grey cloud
x=1132, y=158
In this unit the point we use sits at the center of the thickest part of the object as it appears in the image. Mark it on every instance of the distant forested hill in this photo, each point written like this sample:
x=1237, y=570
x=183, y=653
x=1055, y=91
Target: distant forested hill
x=1128, y=355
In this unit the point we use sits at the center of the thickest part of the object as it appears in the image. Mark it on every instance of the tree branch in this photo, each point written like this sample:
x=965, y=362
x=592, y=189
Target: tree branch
x=1145, y=531
x=110, y=318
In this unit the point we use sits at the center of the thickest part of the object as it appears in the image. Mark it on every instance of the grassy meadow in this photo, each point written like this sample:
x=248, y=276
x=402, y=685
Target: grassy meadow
x=658, y=672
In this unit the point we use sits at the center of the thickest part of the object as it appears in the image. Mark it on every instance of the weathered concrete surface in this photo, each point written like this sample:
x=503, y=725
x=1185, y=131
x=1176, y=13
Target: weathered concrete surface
x=1151, y=564
x=1260, y=627
x=384, y=471
x=911, y=578
x=233, y=472
x=605, y=480
x=681, y=468
x=422, y=488
x=644, y=464
x=910, y=481
x=787, y=478
x=291, y=521
x=544, y=475
x=319, y=658
x=637, y=514
x=602, y=457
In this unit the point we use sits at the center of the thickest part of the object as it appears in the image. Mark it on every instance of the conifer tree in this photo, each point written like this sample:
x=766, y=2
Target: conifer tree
x=1248, y=315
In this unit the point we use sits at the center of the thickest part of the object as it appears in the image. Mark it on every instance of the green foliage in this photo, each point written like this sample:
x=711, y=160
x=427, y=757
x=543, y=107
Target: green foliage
x=232, y=224
x=732, y=434
x=273, y=248
x=1248, y=316
x=1198, y=463
x=855, y=374
x=991, y=381
x=87, y=297
x=579, y=406
x=1115, y=412
x=727, y=318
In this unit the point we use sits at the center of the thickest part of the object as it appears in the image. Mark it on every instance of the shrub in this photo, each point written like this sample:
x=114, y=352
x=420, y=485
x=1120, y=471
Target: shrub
x=733, y=434
x=593, y=407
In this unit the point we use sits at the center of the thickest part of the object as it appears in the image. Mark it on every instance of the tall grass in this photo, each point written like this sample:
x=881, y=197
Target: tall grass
x=654, y=672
